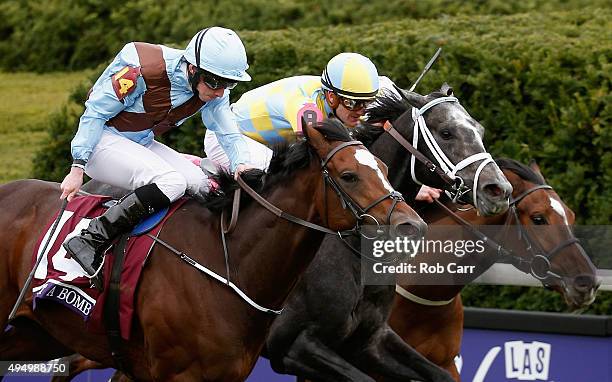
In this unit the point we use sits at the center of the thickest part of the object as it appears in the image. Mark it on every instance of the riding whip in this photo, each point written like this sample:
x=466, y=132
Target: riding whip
x=42, y=253
x=427, y=67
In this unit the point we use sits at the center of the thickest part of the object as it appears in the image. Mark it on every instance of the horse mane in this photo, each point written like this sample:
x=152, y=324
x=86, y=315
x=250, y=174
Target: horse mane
x=388, y=106
x=522, y=170
x=287, y=158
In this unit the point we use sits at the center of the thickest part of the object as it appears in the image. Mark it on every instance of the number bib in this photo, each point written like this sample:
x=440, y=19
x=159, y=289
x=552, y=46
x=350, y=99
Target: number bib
x=310, y=114
x=124, y=81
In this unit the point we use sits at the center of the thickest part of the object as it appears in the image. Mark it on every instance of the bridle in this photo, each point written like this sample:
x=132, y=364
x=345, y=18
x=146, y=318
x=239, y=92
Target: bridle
x=444, y=167
x=538, y=264
x=347, y=202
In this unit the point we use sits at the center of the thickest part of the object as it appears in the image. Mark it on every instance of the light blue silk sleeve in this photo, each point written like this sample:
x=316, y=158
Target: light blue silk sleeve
x=217, y=116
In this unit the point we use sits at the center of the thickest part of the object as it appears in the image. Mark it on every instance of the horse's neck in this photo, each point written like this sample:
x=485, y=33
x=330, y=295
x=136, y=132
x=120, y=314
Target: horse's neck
x=397, y=158
x=274, y=251
x=436, y=217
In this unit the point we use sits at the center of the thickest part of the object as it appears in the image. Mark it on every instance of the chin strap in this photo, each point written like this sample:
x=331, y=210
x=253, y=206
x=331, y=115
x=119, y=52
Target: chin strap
x=194, y=78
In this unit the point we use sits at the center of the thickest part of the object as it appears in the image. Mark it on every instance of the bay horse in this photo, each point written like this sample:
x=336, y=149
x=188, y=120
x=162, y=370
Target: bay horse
x=430, y=317
x=335, y=328
x=189, y=326
x=330, y=314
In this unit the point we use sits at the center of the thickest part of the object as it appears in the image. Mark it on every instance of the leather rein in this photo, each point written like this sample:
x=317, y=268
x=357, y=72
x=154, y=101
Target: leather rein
x=539, y=263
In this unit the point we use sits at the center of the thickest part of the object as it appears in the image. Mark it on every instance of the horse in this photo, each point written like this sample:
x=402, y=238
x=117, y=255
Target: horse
x=334, y=328
x=189, y=326
x=329, y=297
x=430, y=317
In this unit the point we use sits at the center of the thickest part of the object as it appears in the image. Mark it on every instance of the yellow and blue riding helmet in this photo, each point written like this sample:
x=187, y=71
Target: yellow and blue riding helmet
x=352, y=76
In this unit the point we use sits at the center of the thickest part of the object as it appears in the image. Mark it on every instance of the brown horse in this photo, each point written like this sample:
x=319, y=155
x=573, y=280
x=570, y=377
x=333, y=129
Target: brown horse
x=430, y=317
x=189, y=326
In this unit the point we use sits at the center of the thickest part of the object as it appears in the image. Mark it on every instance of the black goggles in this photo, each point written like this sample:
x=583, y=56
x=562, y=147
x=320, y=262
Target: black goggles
x=215, y=82
x=355, y=104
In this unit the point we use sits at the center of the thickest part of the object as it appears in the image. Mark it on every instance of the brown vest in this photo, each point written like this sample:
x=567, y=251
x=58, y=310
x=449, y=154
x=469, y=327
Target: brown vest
x=158, y=114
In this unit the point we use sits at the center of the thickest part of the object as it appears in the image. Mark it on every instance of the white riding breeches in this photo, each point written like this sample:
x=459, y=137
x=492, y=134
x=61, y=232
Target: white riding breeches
x=123, y=163
x=260, y=154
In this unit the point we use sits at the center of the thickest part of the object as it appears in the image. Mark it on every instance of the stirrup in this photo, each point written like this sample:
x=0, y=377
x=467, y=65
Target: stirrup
x=96, y=280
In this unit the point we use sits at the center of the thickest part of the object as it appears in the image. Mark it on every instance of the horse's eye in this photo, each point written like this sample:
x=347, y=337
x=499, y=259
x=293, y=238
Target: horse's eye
x=349, y=177
x=538, y=220
x=446, y=134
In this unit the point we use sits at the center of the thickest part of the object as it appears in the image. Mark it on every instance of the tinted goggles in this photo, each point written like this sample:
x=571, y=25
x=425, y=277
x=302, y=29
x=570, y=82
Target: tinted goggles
x=355, y=104
x=215, y=82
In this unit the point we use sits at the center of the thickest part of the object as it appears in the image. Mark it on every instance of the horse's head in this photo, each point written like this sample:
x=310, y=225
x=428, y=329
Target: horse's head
x=356, y=189
x=440, y=128
x=553, y=253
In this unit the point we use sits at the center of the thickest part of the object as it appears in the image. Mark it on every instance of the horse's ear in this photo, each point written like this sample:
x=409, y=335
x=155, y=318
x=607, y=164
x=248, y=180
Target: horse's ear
x=414, y=99
x=446, y=89
x=534, y=166
x=304, y=125
x=315, y=138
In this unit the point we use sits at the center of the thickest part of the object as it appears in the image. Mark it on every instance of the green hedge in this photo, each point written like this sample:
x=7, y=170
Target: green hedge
x=528, y=298
x=75, y=34
x=540, y=95
x=539, y=83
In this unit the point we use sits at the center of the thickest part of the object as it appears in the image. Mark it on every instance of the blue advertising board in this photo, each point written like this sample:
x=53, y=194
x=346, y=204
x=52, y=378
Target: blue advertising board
x=498, y=346
x=497, y=356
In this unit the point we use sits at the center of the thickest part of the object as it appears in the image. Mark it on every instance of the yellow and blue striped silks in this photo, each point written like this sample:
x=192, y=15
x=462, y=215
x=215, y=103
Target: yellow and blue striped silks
x=269, y=114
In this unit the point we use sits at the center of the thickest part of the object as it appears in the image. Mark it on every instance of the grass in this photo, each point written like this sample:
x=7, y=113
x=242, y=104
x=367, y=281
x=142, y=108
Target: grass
x=26, y=99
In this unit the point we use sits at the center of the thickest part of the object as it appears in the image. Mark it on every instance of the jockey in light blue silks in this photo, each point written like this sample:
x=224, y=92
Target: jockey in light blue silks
x=145, y=91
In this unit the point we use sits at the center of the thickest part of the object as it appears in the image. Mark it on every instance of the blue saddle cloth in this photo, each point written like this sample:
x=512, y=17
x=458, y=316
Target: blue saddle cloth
x=147, y=224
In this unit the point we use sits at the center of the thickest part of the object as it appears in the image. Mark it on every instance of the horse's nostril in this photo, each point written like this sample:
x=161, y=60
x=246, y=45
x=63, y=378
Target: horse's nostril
x=414, y=230
x=584, y=283
x=494, y=190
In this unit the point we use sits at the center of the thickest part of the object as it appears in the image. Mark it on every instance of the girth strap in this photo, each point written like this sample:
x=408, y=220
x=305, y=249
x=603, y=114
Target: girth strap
x=111, y=307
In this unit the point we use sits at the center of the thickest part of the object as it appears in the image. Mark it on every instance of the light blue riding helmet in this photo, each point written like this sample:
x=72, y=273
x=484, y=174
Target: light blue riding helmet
x=219, y=51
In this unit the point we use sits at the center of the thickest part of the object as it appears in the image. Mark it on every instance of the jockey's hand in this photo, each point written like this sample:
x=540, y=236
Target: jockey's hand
x=72, y=183
x=241, y=168
x=428, y=194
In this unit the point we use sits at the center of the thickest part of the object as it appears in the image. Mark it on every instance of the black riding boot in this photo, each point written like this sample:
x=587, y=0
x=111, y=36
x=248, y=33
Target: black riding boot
x=89, y=247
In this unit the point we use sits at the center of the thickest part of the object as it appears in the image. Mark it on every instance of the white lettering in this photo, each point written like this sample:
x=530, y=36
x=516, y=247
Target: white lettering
x=527, y=361
x=62, y=294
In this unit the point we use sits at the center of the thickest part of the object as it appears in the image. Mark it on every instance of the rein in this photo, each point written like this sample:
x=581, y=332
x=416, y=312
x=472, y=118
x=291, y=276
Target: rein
x=346, y=200
x=539, y=265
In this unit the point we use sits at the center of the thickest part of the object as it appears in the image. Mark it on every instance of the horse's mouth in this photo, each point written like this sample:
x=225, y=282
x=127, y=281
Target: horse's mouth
x=487, y=207
x=577, y=301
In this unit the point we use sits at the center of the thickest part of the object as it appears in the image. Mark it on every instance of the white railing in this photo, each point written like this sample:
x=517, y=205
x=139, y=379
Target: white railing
x=505, y=274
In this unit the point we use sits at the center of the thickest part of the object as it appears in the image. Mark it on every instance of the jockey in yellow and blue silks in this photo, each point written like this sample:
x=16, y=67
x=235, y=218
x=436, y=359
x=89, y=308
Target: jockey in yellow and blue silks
x=272, y=113
x=145, y=91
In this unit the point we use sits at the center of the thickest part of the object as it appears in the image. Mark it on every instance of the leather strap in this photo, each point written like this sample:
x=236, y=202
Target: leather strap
x=277, y=211
x=111, y=306
x=234, y=217
x=388, y=127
